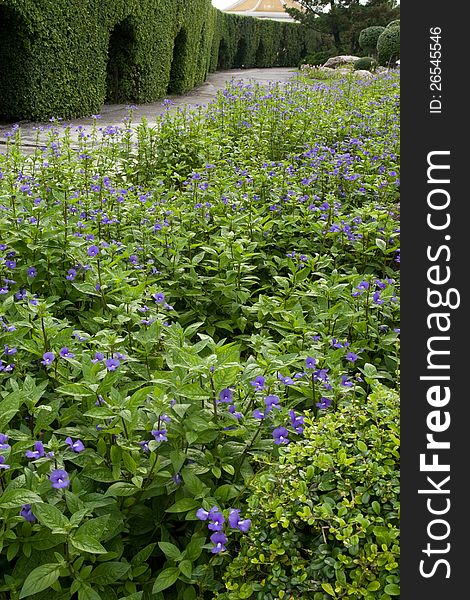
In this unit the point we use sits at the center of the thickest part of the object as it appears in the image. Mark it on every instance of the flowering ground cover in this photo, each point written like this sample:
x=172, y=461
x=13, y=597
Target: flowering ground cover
x=187, y=311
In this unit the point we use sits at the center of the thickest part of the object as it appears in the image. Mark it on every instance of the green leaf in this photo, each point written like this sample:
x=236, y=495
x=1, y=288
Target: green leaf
x=85, y=543
x=171, y=551
x=87, y=593
x=15, y=498
x=193, y=484
x=194, y=549
x=165, y=579
x=381, y=244
x=362, y=447
x=369, y=370
x=328, y=588
x=51, y=517
x=109, y=572
x=94, y=527
x=186, y=568
x=143, y=555
x=8, y=408
x=376, y=507
x=40, y=579
x=121, y=488
x=183, y=505
x=392, y=589
x=373, y=586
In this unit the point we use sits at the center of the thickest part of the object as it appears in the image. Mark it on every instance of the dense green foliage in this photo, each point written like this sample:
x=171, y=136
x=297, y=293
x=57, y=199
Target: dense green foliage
x=395, y=23
x=64, y=58
x=343, y=20
x=175, y=301
x=327, y=513
x=388, y=45
x=365, y=63
x=368, y=38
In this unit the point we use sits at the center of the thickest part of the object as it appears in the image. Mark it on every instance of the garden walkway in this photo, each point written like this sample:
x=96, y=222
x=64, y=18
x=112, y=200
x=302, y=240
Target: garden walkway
x=113, y=114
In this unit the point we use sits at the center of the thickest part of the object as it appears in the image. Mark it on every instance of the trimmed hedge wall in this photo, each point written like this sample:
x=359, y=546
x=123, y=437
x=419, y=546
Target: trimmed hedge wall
x=65, y=58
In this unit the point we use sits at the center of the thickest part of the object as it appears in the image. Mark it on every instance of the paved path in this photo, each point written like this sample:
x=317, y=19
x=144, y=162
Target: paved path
x=113, y=114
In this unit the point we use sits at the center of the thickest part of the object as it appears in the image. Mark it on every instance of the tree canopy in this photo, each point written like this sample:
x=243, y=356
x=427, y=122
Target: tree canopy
x=343, y=20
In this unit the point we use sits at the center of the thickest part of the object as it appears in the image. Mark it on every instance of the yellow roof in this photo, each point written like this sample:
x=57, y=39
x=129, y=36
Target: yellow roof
x=260, y=6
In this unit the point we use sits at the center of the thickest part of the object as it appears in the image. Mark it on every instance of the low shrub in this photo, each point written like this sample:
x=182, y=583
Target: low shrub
x=317, y=58
x=325, y=518
x=366, y=63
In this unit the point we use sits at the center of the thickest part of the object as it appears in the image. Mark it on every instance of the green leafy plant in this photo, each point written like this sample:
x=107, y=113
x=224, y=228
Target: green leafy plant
x=326, y=517
x=368, y=38
x=388, y=45
x=365, y=63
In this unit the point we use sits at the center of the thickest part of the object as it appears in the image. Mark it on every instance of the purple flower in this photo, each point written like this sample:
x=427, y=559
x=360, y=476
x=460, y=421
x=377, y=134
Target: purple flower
x=27, y=513
x=75, y=446
x=258, y=383
x=32, y=272
x=321, y=374
x=219, y=540
x=345, y=382
x=145, y=446
x=99, y=356
x=296, y=421
x=112, y=363
x=3, y=442
x=234, y=517
x=202, y=514
x=38, y=453
x=160, y=435
x=226, y=395
x=71, y=274
x=2, y=463
x=48, y=358
x=280, y=435
x=159, y=298
x=59, y=479
x=285, y=380
x=244, y=525
x=351, y=357
x=271, y=402
x=235, y=521
x=377, y=299
x=258, y=414
x=310, y=362
x=217, y=521
x=177, y=478
x=8, y=351
x=324, y=403
x=65, y=353
x=93, y=250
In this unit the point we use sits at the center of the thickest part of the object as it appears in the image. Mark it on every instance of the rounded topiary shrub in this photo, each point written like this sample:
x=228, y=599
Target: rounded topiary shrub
x=325, y=518
x=366, y=63
x=368, y=38
x=388, y=46
x=395, y=23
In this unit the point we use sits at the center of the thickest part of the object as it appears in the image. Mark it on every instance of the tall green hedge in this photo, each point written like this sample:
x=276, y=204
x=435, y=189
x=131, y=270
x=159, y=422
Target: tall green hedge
x=65, y=58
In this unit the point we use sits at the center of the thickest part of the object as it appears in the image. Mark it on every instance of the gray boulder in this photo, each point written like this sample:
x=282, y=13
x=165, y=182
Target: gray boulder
x=338, y=61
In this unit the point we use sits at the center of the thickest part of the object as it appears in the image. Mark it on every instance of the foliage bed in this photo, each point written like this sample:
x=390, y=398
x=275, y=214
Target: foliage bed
x=182, y=309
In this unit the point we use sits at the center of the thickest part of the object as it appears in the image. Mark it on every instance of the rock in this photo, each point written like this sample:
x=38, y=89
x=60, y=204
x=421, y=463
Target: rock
x=363, y=73
x=344, y=59
x=342, y=71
